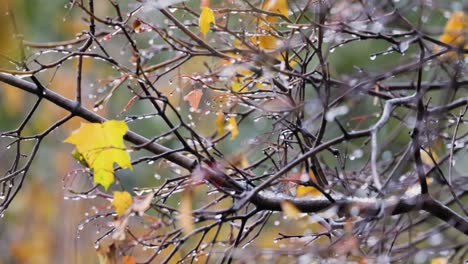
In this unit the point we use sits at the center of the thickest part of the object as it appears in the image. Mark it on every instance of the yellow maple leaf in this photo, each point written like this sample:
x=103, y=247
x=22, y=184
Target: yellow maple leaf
x=232, y=127
x=100, y=146
x=121, y=202
x=206, y=18
x=220, y=123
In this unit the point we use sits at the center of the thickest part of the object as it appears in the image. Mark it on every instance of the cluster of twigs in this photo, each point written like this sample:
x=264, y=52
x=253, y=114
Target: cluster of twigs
x=376, y=192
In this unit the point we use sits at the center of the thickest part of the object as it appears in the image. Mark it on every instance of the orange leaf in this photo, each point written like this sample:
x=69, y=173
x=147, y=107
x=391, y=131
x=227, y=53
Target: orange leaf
x=220, y=123
x=129, y=260
x=194, y=98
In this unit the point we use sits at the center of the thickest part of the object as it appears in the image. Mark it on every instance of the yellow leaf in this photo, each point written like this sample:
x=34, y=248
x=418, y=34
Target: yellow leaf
x=277, y=6
x=122, y=201
x=185, y=218
x=194, y=97
x=426, y=158
x=100, y=146
x=267, y=42
x=232, y=126
x=129, y=260
x=206, y=18
x=237, y=87
x=290, y=210
x=440, y=260
x=220, y=123
x=302, y=191
x=455, y=29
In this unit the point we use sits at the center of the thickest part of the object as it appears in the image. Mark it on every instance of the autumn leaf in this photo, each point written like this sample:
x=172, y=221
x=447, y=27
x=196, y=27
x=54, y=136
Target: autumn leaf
x=426, y=156
x=290, y=210
x=232, y=127
x=276, y=6
x=194, y=97
x=220, y=123
x=100, y=146
x=302, y=191
x=129, y=260
x=206, y=18
x=439, y=260
x=237, y=87
x=266, y=42
x=121, y=202
x=455, y=32
x=185, y=217
x=107, y=255
x=456, y=29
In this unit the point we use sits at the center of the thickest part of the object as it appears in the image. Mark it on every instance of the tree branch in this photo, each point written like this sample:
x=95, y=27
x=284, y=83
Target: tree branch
x=77, y=110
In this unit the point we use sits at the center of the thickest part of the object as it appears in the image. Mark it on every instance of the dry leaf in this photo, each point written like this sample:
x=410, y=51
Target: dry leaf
x=194, y=97
x=141, y=204
x=136, y=25
x=120, y=226
x=185, y=217
x=107, y=255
